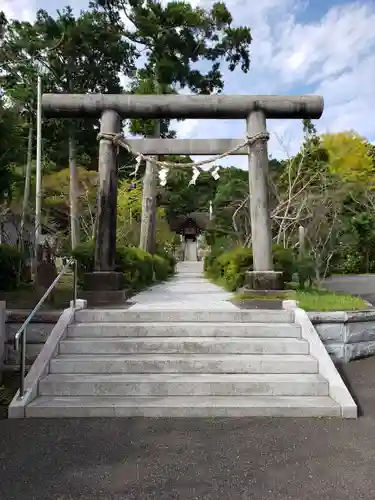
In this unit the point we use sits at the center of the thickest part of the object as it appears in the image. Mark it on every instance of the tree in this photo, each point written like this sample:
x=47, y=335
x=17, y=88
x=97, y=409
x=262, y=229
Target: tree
x=179, y=197
x=129, y=213
x=56, y=188
x=84, y=54
x=349, y=157
x=12, y=149
x=176, y=39
x=176, y=36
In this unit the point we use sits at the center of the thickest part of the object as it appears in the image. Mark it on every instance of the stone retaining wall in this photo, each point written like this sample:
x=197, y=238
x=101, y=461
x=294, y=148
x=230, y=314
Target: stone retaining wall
x=346, y=335
x=37, y=333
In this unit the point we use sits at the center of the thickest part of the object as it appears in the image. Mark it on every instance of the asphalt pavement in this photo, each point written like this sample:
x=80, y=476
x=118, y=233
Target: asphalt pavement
x=186, y=459
x=362, y=285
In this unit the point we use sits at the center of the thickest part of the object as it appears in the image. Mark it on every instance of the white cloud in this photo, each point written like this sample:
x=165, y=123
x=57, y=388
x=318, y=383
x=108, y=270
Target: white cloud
x=333, y=56
x=23, y=10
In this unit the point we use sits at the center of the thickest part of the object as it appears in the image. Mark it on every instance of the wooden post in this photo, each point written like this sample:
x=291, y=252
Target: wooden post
x=301, y=242
x=105, y=245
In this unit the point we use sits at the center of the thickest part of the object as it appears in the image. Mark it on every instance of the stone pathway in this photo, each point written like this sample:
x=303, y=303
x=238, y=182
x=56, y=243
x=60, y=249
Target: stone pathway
x=187, y=290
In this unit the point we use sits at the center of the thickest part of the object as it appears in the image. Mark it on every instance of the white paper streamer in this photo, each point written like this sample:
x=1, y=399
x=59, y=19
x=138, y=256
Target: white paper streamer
x=163, y=174
x=215, y=173
x=196, y=173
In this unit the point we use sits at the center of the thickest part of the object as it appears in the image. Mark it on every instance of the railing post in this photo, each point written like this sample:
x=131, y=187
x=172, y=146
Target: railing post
x=23, y=363
x=75, y=282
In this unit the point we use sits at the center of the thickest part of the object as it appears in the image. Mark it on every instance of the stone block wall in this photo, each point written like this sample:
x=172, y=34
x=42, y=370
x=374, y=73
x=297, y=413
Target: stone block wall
x=37, y=333
x=346, y=335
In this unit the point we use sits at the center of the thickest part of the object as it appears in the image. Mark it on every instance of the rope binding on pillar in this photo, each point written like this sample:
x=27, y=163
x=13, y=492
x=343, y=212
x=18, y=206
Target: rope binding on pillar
x=164, y=166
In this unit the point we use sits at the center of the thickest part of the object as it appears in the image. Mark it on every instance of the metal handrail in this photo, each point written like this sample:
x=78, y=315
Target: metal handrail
x=21, y=332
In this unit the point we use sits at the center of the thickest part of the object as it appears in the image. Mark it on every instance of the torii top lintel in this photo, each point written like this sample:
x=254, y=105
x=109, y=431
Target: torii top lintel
x=182, y=106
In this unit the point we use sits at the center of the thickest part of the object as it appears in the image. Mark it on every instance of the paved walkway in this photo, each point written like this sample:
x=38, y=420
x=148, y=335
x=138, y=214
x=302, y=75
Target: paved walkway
x=187, y=290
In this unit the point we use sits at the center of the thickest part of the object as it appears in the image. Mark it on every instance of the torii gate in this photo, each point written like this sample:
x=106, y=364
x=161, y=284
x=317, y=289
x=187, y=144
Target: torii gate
x=112, y=108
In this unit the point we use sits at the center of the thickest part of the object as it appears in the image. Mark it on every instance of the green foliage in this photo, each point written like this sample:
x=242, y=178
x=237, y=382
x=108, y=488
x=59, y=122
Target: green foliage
x=285, y=261
x=233, y=266
x=349, y=157
x=139, y=268
x=229, y=268
x=177, y=35
x=10, y=264
x=179, y=198
x=161, y=268
x=136, y=266
x=176, y=39
x=168, y=256
x=85, y=255
x=11, y=152
x=75, y=54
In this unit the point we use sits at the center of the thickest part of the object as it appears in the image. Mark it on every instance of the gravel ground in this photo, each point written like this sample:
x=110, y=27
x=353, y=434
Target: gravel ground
x=186, y=459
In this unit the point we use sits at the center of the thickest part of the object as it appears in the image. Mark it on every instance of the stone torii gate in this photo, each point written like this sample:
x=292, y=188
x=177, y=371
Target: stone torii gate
x=112, y=108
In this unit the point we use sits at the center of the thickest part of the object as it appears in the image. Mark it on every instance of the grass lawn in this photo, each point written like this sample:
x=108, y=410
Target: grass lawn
x=26, y=296
x=315, y=299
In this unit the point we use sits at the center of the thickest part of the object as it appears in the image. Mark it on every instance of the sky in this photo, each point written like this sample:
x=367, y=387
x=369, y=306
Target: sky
x=323, y=47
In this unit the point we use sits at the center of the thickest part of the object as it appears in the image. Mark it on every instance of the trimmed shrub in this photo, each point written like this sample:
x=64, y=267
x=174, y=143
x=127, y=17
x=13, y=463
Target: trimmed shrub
x=170, y=260
x=138, y=267
x=85, y=256
x=161, y=268
x=285, y=261
x=10, y=263
x=229, y=268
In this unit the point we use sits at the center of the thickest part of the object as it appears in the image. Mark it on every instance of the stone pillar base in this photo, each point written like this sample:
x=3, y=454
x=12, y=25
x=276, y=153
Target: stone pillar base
x=264, y=280
x=104, y=288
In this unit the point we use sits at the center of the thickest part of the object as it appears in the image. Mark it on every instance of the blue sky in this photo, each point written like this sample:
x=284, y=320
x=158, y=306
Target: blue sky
x=324, y=47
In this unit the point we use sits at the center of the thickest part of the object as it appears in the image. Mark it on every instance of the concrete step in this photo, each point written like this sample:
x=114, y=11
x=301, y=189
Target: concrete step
x=191, y=363
x=184, y=345
x=169, y=384
x=183, y=406
x=147, y=315
x=184, y=330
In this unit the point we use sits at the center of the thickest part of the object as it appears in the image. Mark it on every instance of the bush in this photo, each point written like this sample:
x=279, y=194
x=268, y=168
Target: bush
x=10, y=264
x=138, y=267
x=161, y=268
x=229, y=268
x=285, y=261
x=169, y=258
x=85, y=256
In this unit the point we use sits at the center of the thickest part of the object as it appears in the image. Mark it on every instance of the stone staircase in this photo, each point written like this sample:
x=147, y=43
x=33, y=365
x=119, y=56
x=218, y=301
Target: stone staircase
x=191, y=363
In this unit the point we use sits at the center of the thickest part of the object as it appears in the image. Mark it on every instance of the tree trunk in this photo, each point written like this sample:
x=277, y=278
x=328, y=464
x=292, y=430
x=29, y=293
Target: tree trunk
x=73, y=190
x=26, y=193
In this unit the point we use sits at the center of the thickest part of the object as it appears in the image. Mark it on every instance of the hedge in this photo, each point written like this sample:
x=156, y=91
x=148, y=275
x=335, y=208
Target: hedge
x=140, y=269
x=229, y=268
x=10, y=264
